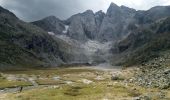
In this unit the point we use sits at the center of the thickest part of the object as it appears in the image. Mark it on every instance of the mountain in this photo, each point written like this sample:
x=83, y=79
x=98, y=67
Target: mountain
x=145, y=44
x=152, y=14
x=51, y=24
x=81, y=32
x=82, y=26
x=115, y=23
x=127, y=29
x=122, y=35
x=94, y=26
x=24, y=44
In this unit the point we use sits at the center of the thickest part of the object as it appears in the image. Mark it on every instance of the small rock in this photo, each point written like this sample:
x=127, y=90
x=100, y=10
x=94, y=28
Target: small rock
x=68, y=82
x=56, y=87
x=99, y=78
x=85, y=81
x=115, y=77
x=136, y=98
x=56, y=78
x=167, y=71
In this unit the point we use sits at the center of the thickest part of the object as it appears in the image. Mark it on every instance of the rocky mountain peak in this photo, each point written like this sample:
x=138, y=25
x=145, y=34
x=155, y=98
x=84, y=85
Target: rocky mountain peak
x=100, y=13
x=127, y=9
x=113, y=9
x=99, y=16
x=88, y=12
x=113, y=5
x=51, y=24
x=51, y=18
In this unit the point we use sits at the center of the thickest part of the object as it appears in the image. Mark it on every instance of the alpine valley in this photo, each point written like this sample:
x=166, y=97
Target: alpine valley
x=136, y=42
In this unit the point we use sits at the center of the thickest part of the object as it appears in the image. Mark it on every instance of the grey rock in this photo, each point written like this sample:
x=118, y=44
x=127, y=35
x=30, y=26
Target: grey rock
x=115, y=23
x=82, y=26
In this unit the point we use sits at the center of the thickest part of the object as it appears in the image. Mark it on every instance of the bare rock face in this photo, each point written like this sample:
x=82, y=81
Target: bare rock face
x=82, y=26
x=99, y=16
x=115, y=23
x=100, y=26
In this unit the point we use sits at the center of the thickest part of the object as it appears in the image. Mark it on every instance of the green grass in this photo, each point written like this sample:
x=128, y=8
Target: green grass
x=98, y=90
x=9, y=84
x=49, y=82
x=81, y=92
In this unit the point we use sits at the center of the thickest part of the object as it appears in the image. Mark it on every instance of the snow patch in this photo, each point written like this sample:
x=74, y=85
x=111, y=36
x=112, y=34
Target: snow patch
x=66, y=29
x=51, y=33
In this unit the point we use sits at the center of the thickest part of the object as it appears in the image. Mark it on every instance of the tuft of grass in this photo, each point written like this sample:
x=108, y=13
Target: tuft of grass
x=73, y=91
x=134, y=93
x=49, y=82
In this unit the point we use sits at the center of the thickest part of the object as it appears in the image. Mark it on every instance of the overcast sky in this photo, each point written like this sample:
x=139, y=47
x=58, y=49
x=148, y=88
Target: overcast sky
x=30, y=10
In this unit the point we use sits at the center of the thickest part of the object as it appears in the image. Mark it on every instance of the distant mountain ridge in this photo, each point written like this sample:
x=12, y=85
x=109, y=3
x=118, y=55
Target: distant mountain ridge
x=116, y=24
x=127, y=29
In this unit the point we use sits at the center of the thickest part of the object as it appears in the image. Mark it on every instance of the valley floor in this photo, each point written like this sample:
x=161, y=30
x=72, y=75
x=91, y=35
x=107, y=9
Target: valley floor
x=76, y=83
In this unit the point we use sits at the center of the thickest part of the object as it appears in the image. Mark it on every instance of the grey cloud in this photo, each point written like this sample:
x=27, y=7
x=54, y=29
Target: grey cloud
x=31, y=10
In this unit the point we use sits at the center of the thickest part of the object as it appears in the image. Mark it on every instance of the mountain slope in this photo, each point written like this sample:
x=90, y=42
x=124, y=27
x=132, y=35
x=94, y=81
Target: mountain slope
x=24, y=44
x=51, y=24
x=147, y=43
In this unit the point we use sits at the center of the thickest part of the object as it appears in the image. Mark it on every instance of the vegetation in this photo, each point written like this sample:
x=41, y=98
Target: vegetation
x=98, y=90
x=10, y=84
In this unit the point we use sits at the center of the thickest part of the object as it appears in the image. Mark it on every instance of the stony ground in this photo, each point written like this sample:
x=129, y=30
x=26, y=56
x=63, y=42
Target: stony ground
x=76, y=83
x=155, y=73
